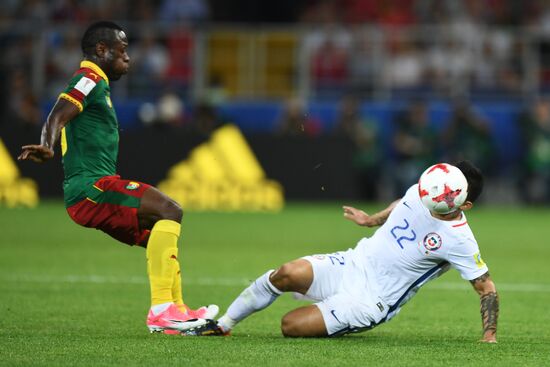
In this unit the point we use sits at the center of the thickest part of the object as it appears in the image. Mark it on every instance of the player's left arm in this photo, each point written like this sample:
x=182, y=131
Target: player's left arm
x=488, y=295
x=363, y=219
x=62, y=112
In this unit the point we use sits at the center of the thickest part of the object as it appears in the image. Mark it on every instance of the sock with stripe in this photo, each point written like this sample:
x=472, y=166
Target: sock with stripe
x=177, y=294
x=256, y=297
x=162, y=260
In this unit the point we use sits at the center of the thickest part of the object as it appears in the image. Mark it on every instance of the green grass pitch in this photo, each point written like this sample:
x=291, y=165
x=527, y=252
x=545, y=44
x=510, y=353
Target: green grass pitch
x=71, y=296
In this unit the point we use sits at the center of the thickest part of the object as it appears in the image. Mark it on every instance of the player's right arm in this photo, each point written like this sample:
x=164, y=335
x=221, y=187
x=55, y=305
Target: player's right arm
x=62, y=112
x=363, y=219
x=488, y=295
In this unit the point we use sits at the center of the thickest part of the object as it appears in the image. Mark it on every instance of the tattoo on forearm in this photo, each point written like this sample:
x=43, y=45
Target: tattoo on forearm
x=489, y=304
x=489, y=311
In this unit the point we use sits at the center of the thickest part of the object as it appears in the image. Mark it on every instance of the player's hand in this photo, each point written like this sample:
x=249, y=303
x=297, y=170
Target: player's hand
x=35, y=153
x=358, y=216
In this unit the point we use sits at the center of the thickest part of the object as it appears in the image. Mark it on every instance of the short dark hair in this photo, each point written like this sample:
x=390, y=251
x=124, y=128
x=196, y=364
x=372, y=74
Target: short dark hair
x=473, y=176
x=98, y=32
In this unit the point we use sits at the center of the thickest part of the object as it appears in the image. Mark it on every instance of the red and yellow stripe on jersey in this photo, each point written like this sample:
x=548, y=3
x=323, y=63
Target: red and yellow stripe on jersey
x=91, y=75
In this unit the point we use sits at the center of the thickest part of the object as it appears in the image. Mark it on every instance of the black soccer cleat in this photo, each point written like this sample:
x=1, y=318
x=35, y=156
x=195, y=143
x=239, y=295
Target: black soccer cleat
x=210, y=328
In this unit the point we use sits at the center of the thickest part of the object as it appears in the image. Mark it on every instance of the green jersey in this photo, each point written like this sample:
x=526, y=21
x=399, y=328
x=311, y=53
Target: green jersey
x=89, y=142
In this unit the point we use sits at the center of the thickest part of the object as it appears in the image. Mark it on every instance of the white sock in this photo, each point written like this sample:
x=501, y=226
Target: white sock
x=160, y=308
x=256, y=297
x=226, y=323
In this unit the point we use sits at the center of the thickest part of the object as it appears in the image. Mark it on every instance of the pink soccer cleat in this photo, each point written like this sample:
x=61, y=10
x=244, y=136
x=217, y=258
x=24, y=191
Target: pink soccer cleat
x=204, y=312
x=172, y=320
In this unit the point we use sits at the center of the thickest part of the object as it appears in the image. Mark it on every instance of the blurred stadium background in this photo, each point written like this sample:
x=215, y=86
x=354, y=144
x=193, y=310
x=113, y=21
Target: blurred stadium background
x=342, y=101
x=338, y=99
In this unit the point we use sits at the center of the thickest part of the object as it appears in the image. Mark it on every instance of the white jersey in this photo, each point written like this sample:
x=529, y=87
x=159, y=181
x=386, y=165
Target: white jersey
x=412, y=248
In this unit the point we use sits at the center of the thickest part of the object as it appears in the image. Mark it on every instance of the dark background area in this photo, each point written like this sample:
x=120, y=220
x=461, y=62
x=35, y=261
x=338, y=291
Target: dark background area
x=251, y=11
x=307, y=169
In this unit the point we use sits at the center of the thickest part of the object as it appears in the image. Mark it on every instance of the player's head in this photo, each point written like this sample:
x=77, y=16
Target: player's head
x=474, y=177
x=105, y=43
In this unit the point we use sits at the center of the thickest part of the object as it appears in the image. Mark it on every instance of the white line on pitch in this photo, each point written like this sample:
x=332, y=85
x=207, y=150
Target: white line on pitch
x=234, y=281
x=113, y=279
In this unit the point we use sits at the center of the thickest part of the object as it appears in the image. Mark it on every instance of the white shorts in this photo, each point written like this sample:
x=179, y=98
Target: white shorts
x=343, y=294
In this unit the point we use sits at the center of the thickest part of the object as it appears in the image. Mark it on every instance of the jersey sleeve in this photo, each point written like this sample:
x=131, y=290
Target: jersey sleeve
x=466, y=258
x=78, y=89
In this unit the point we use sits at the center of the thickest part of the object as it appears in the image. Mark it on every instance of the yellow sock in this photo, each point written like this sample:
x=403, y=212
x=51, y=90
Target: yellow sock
x=177, y=295
x=162, y=260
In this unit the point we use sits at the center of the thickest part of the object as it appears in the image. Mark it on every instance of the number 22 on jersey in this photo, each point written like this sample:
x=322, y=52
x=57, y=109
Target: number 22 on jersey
x=403, y=233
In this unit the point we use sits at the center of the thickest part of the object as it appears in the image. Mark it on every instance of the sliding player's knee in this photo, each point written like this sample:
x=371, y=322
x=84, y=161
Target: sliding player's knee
x=290, y=327
x=305, y=321
x=285, y=277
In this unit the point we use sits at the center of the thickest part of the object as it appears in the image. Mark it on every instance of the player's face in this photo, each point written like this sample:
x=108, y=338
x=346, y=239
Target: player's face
x=118, y=58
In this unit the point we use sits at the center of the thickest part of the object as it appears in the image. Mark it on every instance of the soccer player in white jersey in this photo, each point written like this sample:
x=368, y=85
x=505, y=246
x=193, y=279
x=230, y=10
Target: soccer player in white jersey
x=363, y=287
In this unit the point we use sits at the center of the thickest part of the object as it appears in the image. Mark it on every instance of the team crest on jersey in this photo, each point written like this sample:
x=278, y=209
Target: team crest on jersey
x=108, y=100
x=432, y=241
x=132, y=185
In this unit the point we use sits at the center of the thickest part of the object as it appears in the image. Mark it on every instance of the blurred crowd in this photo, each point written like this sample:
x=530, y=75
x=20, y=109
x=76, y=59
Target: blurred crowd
x=394, y=13
x=413, y=50
x=431, y=47
x=388, y=156
x=375, y=48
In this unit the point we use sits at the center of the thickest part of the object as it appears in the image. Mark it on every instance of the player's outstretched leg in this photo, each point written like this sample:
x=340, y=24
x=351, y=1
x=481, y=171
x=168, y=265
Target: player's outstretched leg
x=168, y=312
x=260, y=294
x=295, y=276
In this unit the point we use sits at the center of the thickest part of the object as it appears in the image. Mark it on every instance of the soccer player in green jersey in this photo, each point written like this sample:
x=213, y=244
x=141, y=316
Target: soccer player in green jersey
x=130, y=211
